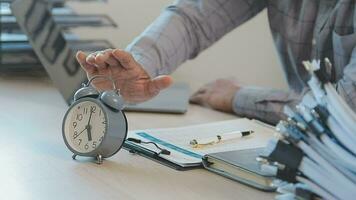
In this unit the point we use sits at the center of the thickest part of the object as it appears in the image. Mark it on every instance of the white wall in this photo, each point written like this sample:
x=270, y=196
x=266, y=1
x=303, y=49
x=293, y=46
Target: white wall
x=247, y=53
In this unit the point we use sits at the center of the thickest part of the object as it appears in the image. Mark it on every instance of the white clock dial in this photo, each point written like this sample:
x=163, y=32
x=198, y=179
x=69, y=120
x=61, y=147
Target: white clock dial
x=85, y=126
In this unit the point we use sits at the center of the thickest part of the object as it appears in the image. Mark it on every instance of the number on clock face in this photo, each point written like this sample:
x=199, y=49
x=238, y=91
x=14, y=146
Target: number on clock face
x=85, y=127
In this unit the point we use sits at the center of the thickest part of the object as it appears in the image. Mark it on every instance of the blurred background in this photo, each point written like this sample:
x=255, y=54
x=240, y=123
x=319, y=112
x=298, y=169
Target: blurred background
x=246, y=53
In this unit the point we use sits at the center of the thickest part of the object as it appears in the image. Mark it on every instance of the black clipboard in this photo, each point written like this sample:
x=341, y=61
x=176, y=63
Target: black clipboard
x=135, y=149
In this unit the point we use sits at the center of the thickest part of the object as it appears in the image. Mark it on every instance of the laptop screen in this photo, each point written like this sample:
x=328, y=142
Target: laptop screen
x=47, y=40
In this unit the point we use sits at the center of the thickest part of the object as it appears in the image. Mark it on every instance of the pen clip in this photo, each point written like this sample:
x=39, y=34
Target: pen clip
x=196, y=144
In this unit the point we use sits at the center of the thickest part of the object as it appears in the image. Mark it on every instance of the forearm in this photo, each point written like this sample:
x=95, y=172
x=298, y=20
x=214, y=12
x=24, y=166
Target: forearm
x=264, y=104
x=185, y=29
x=267, y=104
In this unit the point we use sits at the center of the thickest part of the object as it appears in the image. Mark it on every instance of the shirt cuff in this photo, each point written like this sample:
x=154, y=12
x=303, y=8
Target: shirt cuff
x=264, y=104
x=145, y=61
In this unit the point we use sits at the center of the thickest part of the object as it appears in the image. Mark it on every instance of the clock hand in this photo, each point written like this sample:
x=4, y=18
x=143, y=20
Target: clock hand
x=91, y=113
x=88, y=126
x=80, y=133
x=89, y=133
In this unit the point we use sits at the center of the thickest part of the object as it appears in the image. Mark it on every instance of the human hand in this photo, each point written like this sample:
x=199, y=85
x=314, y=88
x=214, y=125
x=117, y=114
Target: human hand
x=217, y=95
x=133, y=81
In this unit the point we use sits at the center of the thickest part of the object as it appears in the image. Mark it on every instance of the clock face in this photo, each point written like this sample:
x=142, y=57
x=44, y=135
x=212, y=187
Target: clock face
x=85, y=126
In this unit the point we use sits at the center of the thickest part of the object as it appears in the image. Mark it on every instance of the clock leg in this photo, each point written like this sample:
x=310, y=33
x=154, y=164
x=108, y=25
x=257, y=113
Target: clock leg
x=99, y=159
x=74, y=156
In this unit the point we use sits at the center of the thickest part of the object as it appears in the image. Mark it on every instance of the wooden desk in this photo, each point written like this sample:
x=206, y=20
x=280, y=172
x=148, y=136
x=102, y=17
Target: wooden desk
x=35, y=164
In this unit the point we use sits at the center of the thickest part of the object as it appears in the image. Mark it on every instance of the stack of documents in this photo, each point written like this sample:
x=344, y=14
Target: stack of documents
x=316, y=152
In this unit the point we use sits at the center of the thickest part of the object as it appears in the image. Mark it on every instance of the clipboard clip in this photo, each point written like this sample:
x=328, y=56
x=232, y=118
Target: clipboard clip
x=138, y=141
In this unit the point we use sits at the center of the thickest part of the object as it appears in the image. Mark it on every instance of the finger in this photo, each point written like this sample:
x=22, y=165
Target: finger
x=108, y=59
x=205, y=87
x=91, y=58
x=108, y=51
x=159, y=83
x=81, y=57
x=100, y=59
x=125, y=58
x=200, y=91
x=197, y=99
x=111, y=60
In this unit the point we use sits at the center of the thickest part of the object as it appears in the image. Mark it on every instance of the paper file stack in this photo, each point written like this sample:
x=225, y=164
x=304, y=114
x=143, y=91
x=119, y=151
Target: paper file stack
x=316, y=151
x=17, y=55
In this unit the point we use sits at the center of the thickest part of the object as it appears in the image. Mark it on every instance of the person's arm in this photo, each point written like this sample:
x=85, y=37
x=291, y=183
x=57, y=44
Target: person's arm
x=186, y=28
x=229, y=96
x=267, y=104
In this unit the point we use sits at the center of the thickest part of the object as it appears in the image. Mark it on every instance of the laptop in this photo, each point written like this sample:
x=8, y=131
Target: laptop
x=175, y=99
x=57, y=55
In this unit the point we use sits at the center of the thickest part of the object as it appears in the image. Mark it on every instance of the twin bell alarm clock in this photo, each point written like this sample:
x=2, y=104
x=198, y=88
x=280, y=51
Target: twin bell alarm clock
x=95, y=125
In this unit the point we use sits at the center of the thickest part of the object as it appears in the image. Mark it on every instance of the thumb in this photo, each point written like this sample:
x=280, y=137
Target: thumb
x=159, y=83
